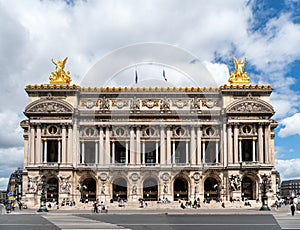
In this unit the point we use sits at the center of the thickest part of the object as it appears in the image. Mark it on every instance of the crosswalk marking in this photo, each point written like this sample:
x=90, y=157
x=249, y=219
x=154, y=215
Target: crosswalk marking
x=72, y=222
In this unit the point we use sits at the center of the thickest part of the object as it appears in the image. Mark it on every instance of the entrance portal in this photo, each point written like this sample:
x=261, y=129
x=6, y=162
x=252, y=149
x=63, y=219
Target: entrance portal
x=120, y=189
x=150, y=190
x=211, y=188
x=247, y=188
x=52, y=192
x=180, y=189
x=89, y=191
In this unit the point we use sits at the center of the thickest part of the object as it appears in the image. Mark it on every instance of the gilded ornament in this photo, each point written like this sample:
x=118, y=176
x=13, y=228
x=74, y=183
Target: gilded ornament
x=60, y=76
x=239, y=77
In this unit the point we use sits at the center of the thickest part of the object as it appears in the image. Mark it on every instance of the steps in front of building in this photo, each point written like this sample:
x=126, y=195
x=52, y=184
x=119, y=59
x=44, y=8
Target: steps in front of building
x=153, y=205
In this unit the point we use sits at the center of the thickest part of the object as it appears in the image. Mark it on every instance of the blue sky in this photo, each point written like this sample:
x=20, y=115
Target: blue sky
x=266, y=32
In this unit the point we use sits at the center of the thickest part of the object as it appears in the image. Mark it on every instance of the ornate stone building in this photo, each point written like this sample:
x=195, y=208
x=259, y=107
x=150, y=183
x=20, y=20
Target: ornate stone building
x=175, y=143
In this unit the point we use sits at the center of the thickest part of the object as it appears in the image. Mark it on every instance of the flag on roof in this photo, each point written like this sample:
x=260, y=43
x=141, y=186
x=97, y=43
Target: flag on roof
x=164, y=75
x=136, y=77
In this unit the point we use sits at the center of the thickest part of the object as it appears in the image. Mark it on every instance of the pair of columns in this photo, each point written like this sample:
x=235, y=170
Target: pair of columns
x=234, y=145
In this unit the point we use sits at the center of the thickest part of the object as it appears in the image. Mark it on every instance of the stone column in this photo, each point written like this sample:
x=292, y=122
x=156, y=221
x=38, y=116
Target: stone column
x=63, y=144
x=169, y=132
x=156, y=152
x=82, y=152
x=203, y=151
x=132, y=150
x=96, y=152
x=107, y=147
x=59, y=150
x=199, y=135
x=32, y=148
x=260, y=145
x=70, y=140
x=186, y=152
x=113, y=152
x=267, y=142
x=162, y=146
x=173, y=152
x=240, y=150
x=38, y=144
x=101, y=145
x=253, y=150
x=235, y=144
x=126, y=152
x=223, y=146
x=138, y=145
x=45, y=151
x=217, y=151
x=143, y=152
x=76, y=144
x=229, y=145
x=193, y=155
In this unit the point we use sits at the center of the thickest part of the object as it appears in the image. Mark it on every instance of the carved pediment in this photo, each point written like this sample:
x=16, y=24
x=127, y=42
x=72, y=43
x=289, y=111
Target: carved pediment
x=51, y=106
x=250, y=105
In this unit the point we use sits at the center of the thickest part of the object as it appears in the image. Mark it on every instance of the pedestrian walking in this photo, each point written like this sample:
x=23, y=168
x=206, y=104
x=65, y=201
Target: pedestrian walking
x=293, y=209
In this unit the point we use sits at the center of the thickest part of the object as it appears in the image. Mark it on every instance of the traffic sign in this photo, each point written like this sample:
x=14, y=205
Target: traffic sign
x=10, y=194
x=11, y=198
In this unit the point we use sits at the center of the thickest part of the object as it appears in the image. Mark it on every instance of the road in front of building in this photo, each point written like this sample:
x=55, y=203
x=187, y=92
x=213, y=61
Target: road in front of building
x=29, y=220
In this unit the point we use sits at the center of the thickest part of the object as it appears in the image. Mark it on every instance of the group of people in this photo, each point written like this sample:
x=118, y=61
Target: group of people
x=195, y=204
x=99, y=207
x=11, y=205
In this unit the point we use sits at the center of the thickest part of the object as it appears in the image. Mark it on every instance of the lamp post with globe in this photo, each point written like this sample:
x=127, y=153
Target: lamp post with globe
x=43, y=185
x=265, y=184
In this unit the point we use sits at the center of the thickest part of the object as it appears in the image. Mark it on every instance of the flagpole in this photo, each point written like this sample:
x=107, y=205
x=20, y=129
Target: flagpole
x=136, y=75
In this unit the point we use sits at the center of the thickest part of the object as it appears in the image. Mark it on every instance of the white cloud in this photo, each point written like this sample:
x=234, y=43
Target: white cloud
x=11, y=159
x=33, y=31
x=291, y=126
x=288, y=169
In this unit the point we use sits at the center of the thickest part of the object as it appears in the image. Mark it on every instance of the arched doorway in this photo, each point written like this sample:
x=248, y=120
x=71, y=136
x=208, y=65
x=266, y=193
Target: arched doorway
x=120, y=189
x=248, y=188
x=150, y=189
x=180, y=188
x=52, y=191
x=211, y=188
x=89, y=189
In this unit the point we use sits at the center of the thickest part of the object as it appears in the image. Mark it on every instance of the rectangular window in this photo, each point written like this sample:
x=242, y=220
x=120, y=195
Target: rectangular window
x=120, y=152
x=210, y=152
x=89, y=152
x=247, y=150
x=52, y=151
x=150, y=153
x=180, y=152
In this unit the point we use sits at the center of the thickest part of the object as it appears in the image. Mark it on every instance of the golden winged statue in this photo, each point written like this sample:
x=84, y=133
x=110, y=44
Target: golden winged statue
x=60, y=76
x=239, y=77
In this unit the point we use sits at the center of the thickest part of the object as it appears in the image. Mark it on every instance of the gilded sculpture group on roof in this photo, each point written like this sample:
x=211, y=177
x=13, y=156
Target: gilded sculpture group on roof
x=239, y=76
x=60, y=76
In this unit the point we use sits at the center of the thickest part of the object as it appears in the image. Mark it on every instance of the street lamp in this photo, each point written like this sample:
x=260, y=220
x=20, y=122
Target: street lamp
x=43, y=186
x=264, y=198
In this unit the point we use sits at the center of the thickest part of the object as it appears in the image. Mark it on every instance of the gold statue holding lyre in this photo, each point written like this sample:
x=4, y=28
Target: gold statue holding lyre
x=60, y=76
x=239, y=77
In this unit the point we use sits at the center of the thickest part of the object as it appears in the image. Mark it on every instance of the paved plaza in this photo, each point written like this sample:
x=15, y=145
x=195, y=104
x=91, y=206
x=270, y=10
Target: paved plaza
x=206, y=217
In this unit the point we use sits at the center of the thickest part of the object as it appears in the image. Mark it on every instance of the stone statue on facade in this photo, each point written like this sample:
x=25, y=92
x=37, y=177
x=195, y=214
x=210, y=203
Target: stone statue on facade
x=165, y=104
x=134, y=190
x=135, y=104
x=103, y=188
x=235, y=182
x=65, y=184
x=195, y=104
x=32, y=184
x=165, y=188
x=104, y=104
x=60, y=76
